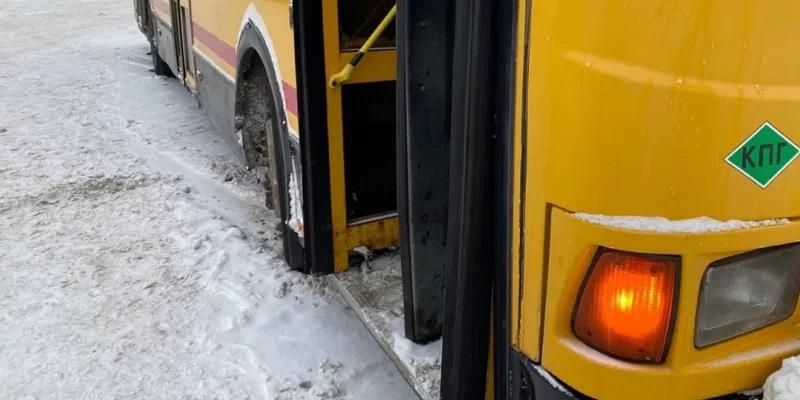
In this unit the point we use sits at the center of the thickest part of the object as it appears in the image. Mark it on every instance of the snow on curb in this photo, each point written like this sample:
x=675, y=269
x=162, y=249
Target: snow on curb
x=375, y=292
x=785, y=383
x=664, y=225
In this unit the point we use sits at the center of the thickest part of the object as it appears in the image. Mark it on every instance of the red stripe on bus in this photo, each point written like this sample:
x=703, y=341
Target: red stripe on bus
x=217, y=45
x=291, y=98
x=228, y=54
x=163, y=6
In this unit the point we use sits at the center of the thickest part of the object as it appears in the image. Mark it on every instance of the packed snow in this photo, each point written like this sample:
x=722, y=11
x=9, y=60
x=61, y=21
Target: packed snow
x=663, y=225
x=785, y=383
x=295, y=221
x=137, y=258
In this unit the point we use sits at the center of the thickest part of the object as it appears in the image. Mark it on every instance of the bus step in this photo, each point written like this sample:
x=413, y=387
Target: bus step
x=375, y=292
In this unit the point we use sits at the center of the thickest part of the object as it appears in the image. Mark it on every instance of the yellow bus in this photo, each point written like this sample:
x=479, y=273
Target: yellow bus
x=589, y=199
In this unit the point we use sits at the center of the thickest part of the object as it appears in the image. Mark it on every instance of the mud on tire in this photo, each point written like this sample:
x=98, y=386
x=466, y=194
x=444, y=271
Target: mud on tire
x=261, y=126
x=260, y=137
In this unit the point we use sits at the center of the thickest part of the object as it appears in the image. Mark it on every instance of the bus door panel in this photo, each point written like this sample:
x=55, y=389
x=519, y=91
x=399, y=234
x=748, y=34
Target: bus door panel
x=188, y=44
x=182, y=31
x=177, y=36
x=361, y=130
x=423, y=162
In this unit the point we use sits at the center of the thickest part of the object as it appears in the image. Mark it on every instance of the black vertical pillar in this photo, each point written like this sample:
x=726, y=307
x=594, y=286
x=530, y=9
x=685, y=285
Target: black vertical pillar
x=424, y=37
x=311, y=87
x=472, y=257
x=505, y=62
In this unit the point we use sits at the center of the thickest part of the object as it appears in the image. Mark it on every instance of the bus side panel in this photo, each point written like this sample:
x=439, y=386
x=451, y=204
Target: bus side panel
x=217, y=93
x=217, y=28
x=215, y=50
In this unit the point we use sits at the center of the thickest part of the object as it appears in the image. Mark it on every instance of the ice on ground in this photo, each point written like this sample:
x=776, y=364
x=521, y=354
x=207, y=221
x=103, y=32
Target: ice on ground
x=375, y=290
x=137, y=258
x=784, y=384
x=663, y=225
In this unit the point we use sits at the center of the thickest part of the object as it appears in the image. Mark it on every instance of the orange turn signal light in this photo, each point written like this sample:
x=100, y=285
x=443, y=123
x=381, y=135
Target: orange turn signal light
x=627, y=304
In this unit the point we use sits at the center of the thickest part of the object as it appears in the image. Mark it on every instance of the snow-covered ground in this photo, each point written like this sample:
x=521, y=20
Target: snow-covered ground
x=785, y=383
x=136, y=258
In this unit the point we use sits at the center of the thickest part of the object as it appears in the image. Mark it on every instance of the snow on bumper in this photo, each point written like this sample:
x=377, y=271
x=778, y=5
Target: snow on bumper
x=663, y=225
x=784, y=384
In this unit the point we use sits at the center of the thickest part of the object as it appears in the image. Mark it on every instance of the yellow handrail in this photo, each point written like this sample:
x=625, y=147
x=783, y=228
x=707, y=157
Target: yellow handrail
x=341, y=77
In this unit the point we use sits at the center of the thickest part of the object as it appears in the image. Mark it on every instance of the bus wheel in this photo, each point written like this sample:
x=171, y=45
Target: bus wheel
x=264, y=150
x=270, y=157
x=159, y=66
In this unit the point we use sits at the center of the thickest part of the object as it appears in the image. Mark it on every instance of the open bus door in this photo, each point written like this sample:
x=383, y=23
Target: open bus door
x=448, y=203
x=455, y=68
x=536, y=111
x=423, y=159
x=348, y=141
x=476, y=353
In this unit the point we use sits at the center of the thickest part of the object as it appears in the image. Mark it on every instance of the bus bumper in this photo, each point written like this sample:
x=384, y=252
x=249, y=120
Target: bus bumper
x=542, y=385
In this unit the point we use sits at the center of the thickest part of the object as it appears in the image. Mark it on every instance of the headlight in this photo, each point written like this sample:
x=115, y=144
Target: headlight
x=747, y=292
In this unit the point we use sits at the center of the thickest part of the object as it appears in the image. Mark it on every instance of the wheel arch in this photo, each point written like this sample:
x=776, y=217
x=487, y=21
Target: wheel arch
x=252, y=50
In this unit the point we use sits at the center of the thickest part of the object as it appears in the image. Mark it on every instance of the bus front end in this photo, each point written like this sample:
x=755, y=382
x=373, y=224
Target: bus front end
x=658, y=198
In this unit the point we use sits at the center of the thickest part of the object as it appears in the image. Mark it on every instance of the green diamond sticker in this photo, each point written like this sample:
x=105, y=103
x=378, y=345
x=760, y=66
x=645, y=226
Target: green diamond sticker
x=764, y=155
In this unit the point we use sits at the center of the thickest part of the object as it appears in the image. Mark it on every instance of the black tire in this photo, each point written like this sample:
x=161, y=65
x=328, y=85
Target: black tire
x=280, y=164
x=267, y=151
x=159, y=66
x=257, y=84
